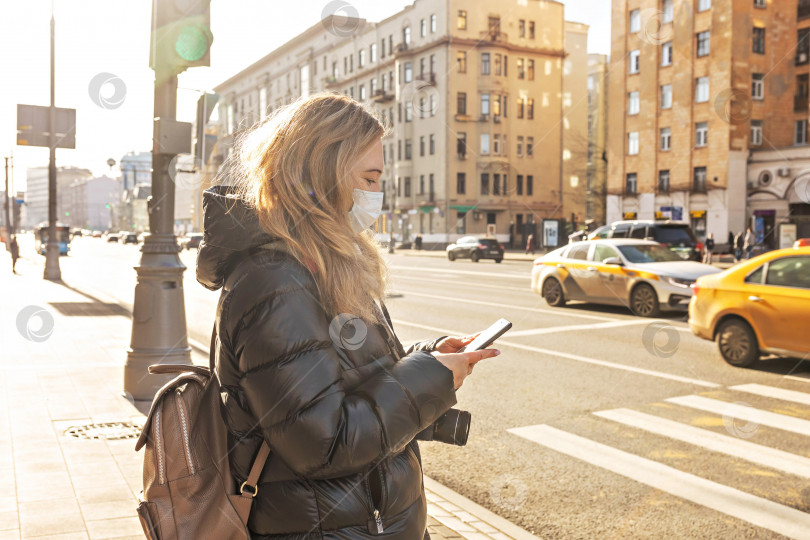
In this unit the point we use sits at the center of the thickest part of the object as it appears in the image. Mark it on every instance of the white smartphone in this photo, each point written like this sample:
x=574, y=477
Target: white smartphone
x=488, y=336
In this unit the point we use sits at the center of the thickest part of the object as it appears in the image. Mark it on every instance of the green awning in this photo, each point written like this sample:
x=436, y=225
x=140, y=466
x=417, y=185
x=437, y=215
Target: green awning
x=462, y=208
x=426, y=209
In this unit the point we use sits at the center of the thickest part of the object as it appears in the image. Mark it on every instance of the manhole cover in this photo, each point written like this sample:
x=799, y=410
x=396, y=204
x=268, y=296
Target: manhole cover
x=106, y=430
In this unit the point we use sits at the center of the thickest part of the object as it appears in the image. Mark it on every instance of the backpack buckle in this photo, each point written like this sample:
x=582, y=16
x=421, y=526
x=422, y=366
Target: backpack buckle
x=253, y=491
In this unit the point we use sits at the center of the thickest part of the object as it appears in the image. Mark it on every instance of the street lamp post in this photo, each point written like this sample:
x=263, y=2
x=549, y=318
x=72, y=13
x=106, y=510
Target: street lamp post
x=391, y=207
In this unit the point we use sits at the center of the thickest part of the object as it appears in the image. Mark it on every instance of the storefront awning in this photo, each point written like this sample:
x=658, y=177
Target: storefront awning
x=462, y=208
x=426, y=209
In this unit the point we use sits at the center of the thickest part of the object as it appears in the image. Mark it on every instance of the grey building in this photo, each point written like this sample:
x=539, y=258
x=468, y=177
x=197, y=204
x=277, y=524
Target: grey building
x=36, y=199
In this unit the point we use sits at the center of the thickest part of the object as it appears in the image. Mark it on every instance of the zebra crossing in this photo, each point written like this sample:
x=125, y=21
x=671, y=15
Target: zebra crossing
x=782, y=411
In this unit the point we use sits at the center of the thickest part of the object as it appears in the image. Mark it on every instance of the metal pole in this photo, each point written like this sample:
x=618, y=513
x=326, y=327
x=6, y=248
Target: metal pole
x=52, y=271
x=158, y=316
x=9, y=218
x=391, y=207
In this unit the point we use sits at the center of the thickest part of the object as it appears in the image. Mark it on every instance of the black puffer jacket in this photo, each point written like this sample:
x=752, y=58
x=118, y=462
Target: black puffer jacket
x=339, y=411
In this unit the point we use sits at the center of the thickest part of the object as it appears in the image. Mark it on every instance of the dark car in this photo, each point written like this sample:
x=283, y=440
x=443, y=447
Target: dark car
x=677, y=236
x=192, y=240
x=130, y=238
x=471, y=247
x=112, y=237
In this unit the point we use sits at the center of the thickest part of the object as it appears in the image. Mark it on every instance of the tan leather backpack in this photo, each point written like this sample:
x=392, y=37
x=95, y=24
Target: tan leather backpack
x=188, y=490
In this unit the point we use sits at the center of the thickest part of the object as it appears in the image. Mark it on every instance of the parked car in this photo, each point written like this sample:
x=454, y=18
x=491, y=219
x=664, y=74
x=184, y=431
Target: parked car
x=761, y=305
x=112, y=237
x=676, y=235
x=191, y=240
x=640, y=274
x=129, y=238
x=474, y=248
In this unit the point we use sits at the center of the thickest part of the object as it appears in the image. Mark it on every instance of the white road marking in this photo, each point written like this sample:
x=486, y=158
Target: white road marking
x=733, y=502
x=527, y=277
x=774, y=392
x=743, y=412
x=716, y=442
x=463, y=283
x=593, y=361
x=795, y=378
x=587, y=327
x=564, y=313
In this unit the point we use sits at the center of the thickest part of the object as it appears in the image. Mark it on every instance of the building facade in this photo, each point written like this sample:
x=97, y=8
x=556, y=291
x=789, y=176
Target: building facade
x=596, y=184
x=698, y=90
x=474, y=92
x=91, y=202
x=35, y=210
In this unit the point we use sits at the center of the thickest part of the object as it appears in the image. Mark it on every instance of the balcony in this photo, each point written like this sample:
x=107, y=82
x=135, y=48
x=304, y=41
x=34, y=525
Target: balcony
x=401, y=47
x=429, y=78
x=800, y=103
x=381, y=96
x=495, y=36
x=699, y=186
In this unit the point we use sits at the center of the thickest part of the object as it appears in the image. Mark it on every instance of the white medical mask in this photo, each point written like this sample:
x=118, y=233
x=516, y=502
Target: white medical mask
x=366, y=209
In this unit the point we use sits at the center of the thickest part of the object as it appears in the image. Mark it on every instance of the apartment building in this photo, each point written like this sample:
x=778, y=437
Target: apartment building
x=597, y=138
x=35, y=210
x=474, y=92
x=698, y=90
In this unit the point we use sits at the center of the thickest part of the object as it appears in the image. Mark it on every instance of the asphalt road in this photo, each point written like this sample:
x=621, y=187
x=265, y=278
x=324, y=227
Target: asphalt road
x=592, y=423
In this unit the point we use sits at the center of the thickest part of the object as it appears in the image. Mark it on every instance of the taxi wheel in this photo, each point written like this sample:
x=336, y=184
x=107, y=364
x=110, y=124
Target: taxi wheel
x=553, y=293
x=498, y=260
x=475, y=256
x=451, y=256
x=644, y=301
x=737, y=343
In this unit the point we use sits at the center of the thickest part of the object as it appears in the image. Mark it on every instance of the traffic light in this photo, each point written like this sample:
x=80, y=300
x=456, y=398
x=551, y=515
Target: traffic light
x=181, y=35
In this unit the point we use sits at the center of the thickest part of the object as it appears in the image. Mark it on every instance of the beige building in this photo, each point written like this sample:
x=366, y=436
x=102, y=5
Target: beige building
x=474, y=91
x=596, y=184
x=575, y=123
x=698, y=89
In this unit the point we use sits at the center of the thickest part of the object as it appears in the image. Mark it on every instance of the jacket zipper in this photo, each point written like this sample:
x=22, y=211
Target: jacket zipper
x=377, y=517
x=186, y=445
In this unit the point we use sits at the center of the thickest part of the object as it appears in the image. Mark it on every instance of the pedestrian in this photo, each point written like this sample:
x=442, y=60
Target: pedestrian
x=418, y=242
x=307, y=359
x=708, y=248
x=738, y=246
x=730, y=243
x=14, y=249
x=748, y=243
x=530, y=244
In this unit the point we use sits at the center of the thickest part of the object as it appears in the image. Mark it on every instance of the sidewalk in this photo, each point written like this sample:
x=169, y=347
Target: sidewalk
x=61, y=375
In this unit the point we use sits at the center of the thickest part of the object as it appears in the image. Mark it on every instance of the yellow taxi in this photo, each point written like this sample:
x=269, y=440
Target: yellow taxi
x=758, y=306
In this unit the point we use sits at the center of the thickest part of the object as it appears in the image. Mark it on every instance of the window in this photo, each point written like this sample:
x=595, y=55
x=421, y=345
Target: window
x=600, y=253
x=497, y=64
x=634, y=61
x=461, y=103
x=408, y=111
x=759, y=3
x=362, y=92
x=382, y=48
x=530, y=146
x=461, y=145
x=520, y=107
x=432, y=144
x=759, y=40
x=666, y=54
x=372, y=87
x=666, y=139
x=485, y=144
x=484, y=104
x=433, y=23
x=494, y=26
x=496, y=106
x=632, y=143
x=521, y=73
x=461, y=20
x=631, y=183
x=406, y=35
x=701, y=134
x=756, y=132
x=635, y=21
x=461, y=183
x=531, y=29
x=529, y=184
x=496, y=144
x=803, y=46
x=421, y=67
x=520, y=145
x=407, y=186
x=699, y=180
x=484, y=183
x=522, y=28
x=361, y=58
x=399, y=187
x=668, y=10
x=461, y=62
x=632, y=103
x=422, y=28
x=703, y=5
x=421, y=184
x=460, y=228
x=757, y=86
x=496, y=184
x=407, y=149
x=530, y=108
x=484, y=63
x=789, y=272
x=372, y=53
x=421, y=145
x=703, y=40
x=520, y=184
x=702, y=92
x=800, y=136
x=663, y=181
x=408, y=72
x=666, y=96
x=530, y=69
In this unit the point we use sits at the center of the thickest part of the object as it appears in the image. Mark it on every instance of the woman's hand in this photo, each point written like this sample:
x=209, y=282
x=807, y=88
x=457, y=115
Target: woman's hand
x=452, y=344
x=461, y=364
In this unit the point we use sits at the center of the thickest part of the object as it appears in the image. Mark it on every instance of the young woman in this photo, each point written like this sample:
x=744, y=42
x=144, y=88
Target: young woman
x=305, y=357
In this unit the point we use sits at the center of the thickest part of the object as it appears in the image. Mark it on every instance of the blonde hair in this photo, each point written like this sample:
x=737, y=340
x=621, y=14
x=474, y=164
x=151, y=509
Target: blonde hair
x=294, y=169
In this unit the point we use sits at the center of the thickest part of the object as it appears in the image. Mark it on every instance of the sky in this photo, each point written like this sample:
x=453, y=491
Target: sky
x=108, y=40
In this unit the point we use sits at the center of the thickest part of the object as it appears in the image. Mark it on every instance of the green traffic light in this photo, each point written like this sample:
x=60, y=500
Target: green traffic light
x=192, y=43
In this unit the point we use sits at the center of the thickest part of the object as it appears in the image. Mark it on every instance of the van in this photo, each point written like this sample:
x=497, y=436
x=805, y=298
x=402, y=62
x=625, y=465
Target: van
x=677, y=236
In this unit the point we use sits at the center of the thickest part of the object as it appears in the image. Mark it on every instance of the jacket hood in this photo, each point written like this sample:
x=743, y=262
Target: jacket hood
x=230, y=229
